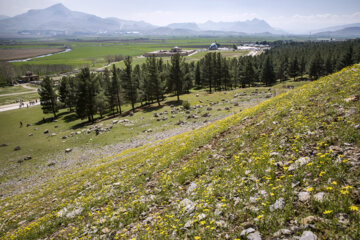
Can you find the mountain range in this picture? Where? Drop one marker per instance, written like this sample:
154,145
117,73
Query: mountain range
57,20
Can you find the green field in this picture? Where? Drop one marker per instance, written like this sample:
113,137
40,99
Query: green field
92,52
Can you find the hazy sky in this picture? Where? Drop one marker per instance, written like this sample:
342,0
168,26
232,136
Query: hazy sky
293,16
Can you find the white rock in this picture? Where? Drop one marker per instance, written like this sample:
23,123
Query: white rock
308,235
319,196
279,204
201,216
191,188
74,213
254,236
298,163
188,205
247,231
304,196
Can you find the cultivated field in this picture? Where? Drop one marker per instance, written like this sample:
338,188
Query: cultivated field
15,54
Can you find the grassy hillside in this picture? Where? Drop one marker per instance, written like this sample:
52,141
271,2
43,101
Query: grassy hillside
291,163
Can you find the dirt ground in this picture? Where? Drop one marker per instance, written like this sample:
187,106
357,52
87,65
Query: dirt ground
15,54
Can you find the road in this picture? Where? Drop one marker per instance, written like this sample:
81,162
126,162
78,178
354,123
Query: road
13,106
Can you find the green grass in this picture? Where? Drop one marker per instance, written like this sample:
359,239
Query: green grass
13,89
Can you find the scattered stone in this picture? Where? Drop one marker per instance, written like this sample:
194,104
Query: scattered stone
236,104
209,108
343,218
64,137
308,220
53,134
149,130
3,145
22,222
188,205
20,161
74,213
46,131
206,114
304,196
351,99
227,109
68,150
298,163
247,231
187,112
115,121
17,148
197,95
278,205
27,158
191,188
105,230
28,125
30,134
319,196
51,164
131,114
308,235
78,132
282,232
254,236
56,126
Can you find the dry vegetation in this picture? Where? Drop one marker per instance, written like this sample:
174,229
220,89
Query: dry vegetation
14,54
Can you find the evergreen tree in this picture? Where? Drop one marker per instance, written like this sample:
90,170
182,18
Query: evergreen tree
155,84
267,73
176,78
129,85
249,74
86,105
48,97
346,59
116,89
198,81
302,66
64,91
294,68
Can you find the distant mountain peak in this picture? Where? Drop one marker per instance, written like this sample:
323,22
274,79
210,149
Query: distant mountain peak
58,6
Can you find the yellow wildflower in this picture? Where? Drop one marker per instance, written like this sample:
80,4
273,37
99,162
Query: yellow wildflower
354,208
196,237
327,212
334,183
259,217
310,189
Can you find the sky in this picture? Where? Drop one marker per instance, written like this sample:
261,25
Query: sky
300,16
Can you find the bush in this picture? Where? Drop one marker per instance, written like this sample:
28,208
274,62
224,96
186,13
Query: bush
186,105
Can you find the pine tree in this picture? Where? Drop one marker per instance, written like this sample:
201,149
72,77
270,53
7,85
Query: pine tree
294,68
129,85
198,81
267,73
155,85
48,97
176,78
86,103
64,92
116,89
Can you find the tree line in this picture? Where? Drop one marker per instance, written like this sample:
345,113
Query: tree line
89,93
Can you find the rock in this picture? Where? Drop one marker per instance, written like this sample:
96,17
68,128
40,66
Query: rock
22,222
53,134
105,230
27,158
254,236
282,232
343,218
319,196
188,224
278,205
28,125
3,145
51,164
30,134
197,95
149,130
115,121
74,213
308,220
247,231
236,104
308,235
187,112
221,223
304,196
227,108
64,137
201,216
209,108
68,150
298,163
56,126
206,114
78,132
191,188
164,118
17,148
223,100
20,161
46,131
131,114
188,205
156,115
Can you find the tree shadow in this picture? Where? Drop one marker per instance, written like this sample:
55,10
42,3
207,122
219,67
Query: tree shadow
152,108
70,118
174,102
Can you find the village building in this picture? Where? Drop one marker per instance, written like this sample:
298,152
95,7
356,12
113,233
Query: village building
29,77
214,46
166,53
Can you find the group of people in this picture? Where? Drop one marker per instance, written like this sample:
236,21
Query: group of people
22,104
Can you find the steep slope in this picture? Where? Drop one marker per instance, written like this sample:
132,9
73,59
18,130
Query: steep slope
352,32
290,163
